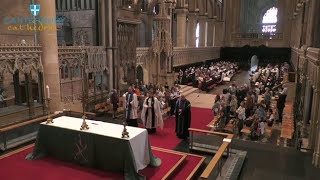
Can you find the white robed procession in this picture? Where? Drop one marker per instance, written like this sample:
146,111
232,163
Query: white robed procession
151,115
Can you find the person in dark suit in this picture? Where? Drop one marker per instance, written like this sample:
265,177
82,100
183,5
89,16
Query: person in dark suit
280,105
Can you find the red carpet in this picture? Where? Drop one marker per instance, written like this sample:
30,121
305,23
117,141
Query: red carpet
167,138
15,167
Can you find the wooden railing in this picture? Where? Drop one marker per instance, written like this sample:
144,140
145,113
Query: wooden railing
216,160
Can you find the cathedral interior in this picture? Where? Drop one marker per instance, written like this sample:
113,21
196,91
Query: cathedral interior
66,58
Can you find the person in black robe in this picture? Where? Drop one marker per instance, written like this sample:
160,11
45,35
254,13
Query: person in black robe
183,117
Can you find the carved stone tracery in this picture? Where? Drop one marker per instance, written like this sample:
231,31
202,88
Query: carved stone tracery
25,59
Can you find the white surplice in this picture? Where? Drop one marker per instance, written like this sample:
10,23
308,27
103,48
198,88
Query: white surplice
134,105
146,114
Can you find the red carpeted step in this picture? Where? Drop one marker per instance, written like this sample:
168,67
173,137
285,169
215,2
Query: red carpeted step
51,169
189,168
170,162
166,138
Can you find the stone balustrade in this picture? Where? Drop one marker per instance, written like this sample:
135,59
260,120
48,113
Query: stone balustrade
265,36
185,56
182,56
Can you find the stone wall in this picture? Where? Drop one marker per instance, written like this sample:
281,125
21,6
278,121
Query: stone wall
14,8
82,23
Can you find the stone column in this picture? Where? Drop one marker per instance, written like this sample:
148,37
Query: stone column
306,106
181,27
192,26
314,119
49,57
210,32
108,17
218,34
316,152
203,31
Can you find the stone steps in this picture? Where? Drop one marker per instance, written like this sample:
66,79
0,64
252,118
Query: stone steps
190,91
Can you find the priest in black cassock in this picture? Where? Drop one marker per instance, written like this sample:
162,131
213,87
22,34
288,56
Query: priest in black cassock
183,117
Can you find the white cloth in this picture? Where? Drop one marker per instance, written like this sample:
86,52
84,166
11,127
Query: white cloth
134,104
147,121
138,136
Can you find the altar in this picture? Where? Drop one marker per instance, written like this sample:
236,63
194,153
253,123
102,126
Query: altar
100,147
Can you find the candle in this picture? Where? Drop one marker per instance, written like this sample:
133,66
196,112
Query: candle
48,92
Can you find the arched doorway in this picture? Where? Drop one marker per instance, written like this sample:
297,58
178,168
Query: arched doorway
139,73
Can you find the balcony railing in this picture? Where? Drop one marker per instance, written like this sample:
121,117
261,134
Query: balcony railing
264,36
182,56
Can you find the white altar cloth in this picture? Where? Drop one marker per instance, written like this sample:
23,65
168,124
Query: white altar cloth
138,137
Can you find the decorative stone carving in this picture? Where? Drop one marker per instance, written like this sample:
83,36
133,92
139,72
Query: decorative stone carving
24,59
81,38
92,58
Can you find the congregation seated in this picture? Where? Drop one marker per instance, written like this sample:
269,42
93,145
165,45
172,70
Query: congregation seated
255,117
206,77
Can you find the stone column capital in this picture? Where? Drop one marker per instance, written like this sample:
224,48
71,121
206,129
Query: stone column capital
203,17
193,15
181,12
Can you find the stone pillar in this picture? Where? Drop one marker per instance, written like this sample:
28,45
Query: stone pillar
49,57
102,21
316,152
181,27
210,32
203,31
218,34
306,106
314,119
108,17
192,26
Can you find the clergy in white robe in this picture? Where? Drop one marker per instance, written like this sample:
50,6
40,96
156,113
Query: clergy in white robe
131,108
151,113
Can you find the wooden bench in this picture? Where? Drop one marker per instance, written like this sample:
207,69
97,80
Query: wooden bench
103,107
5,130
246,130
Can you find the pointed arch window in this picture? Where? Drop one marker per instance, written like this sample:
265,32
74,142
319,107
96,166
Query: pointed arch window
269,20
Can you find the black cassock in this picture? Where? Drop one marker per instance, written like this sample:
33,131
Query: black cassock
183,119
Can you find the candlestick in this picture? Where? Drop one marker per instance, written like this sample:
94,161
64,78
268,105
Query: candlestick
49,118
48,92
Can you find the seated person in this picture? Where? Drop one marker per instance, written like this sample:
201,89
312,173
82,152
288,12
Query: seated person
260,112
270,119
250,119
262,128
254,130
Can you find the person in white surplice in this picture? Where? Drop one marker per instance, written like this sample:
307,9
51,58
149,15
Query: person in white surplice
131,107
151,113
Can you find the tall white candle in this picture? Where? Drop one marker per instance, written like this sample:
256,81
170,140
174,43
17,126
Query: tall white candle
48,92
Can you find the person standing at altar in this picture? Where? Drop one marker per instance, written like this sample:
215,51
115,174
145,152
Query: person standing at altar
151,113
115,103
131,108
183,117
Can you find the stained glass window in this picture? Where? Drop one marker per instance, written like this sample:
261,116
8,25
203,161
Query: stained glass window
270,20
